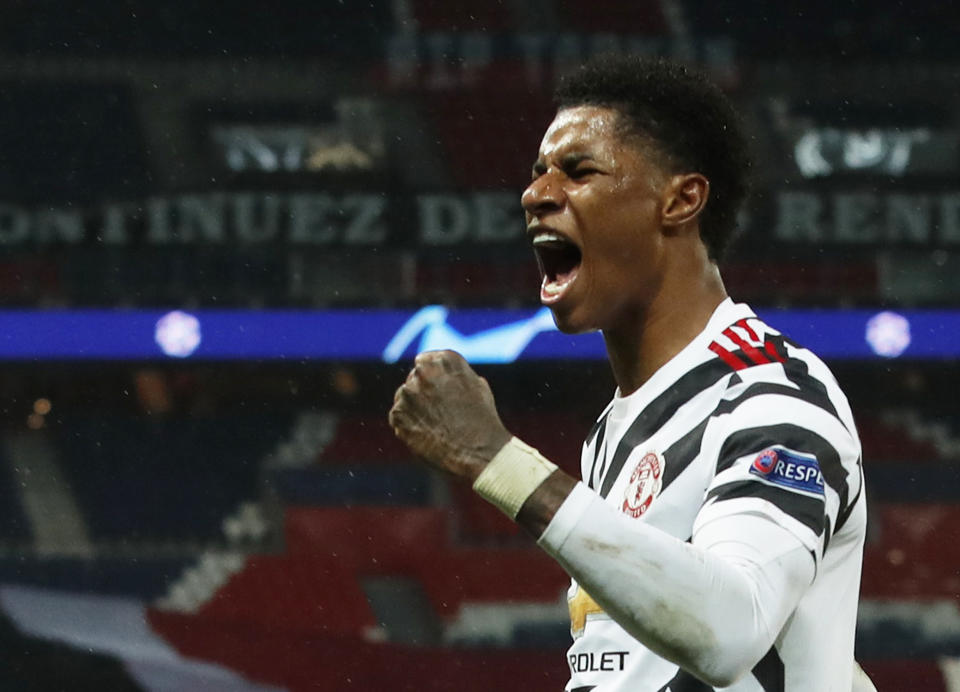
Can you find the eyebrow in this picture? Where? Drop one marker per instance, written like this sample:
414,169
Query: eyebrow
567,161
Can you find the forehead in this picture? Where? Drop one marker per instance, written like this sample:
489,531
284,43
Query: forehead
580,127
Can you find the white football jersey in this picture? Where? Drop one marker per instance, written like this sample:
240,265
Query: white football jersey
741,422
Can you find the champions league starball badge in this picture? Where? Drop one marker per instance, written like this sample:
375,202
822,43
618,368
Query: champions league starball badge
644,485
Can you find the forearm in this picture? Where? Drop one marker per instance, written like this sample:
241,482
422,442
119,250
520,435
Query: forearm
542,505
713,612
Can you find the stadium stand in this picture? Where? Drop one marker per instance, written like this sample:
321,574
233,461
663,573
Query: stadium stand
161,480
13,520
147,577
348,563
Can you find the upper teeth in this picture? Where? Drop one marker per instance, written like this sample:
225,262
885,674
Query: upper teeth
548,237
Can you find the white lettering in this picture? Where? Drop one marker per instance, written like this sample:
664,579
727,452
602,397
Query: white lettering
854,216
908,217
158,221
309,219
497,216
950,218
59,225
257,217
114,230
364,226
444,219
200,218
798,217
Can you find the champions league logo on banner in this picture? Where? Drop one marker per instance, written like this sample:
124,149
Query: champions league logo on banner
501,344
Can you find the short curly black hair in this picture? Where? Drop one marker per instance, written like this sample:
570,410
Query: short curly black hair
685,116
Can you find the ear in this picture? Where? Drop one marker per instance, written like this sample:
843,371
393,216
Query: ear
684,198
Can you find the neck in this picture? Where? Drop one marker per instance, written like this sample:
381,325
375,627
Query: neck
641,345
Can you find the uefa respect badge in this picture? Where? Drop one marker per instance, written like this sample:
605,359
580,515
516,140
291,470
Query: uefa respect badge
788,468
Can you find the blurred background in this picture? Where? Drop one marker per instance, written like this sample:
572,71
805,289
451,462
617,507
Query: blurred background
222,229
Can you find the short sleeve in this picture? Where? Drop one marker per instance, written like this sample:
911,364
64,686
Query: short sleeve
782,456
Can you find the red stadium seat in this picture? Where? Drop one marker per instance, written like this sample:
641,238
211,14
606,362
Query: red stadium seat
907,554
883,441
364,439
416,542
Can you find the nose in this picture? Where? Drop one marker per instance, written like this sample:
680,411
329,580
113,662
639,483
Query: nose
543,195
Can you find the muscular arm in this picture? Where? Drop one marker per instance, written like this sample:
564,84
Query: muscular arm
713,606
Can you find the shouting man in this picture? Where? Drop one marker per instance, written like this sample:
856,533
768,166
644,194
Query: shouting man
715,538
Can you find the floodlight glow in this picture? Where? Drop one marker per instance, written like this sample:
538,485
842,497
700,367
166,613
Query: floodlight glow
178,334
888,334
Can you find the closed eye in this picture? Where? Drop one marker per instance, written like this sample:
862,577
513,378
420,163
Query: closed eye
581,172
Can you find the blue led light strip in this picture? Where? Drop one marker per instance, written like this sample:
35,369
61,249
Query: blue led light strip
483,336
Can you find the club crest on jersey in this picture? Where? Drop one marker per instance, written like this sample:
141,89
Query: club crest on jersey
788,468
644,485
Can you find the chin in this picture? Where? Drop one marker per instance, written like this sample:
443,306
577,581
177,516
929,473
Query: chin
570,324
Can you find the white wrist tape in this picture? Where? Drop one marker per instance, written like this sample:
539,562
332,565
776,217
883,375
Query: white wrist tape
512,476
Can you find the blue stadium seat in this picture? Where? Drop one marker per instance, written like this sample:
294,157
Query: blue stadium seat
168,479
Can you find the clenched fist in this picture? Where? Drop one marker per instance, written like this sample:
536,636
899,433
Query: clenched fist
445,413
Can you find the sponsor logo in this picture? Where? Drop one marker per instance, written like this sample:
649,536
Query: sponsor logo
644,485
581,607
790,469
597,661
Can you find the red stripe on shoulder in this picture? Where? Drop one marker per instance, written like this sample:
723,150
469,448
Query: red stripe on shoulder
748,329
749,350
730,359
771,350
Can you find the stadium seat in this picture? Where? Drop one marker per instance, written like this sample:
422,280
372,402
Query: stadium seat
907,555
163,479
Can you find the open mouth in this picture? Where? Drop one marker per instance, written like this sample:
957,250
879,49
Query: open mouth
559,260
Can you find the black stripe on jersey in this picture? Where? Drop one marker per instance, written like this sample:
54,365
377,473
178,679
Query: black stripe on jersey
795,437
848,510
583,689
810,511
599,430
798,372
769,672
685,682
678,456
683,451
598,426
660,410
760,388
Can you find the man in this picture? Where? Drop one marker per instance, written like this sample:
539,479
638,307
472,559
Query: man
715,539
